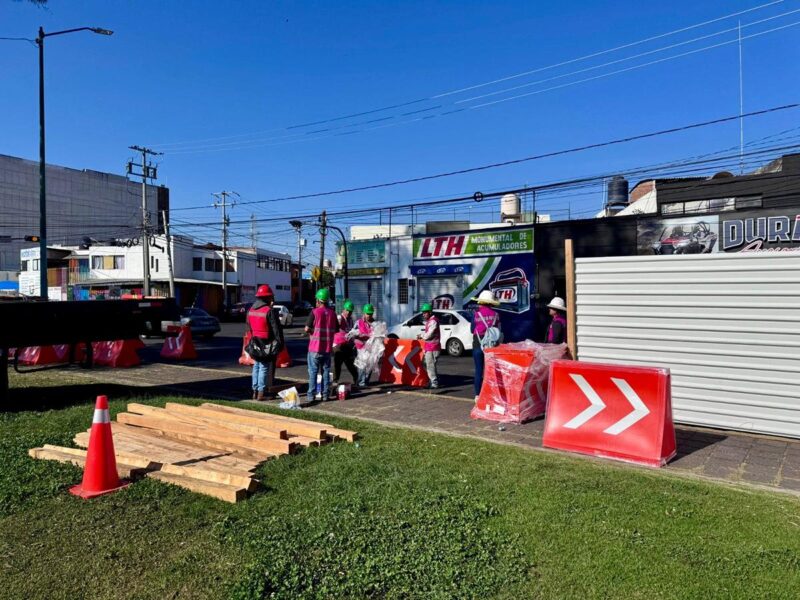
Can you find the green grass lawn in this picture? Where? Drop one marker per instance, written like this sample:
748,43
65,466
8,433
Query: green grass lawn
401,514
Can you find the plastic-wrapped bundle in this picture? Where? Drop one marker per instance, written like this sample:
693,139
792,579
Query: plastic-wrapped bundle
515,376
369,357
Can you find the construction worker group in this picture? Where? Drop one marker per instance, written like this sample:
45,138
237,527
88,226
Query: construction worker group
338,338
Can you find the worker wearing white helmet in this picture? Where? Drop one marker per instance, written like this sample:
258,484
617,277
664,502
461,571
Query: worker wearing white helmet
557,331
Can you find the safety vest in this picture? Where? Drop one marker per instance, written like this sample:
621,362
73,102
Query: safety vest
258,321
364,330
433,343
324,328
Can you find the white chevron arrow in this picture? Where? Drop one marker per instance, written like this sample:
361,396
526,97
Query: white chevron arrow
596,403
639,412
397,366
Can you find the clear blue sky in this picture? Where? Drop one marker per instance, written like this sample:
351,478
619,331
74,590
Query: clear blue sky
183,71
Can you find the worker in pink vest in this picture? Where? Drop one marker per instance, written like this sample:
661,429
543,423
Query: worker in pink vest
432,345
360,335
321,326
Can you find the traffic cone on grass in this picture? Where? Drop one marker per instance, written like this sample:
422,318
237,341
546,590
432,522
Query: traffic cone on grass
100,471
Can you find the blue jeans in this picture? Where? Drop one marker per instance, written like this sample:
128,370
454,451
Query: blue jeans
477,357
261,374
319,362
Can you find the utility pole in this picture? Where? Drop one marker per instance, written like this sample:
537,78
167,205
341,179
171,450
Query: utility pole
148,172
222,202
298,225
323,231
253,232
169,255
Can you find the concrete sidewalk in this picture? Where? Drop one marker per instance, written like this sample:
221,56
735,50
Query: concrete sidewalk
762,461
724,455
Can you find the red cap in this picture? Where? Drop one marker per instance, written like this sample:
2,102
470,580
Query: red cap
264,291
101,403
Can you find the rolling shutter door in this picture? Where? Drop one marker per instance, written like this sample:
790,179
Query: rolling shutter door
432,287
726,325
367,291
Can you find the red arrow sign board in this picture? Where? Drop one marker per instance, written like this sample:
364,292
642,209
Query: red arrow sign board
612,411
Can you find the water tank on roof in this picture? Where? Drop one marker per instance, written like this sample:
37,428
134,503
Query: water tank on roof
510,208
617,193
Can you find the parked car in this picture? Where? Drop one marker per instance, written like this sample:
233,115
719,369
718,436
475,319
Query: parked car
695,238
284,315
239,311
200,322
302,309
454,325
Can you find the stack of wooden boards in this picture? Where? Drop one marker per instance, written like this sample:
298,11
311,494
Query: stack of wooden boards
210,449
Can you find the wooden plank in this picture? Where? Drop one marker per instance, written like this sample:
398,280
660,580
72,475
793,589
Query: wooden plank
206,474
343,434
73,456
222,491
307,441
238,423
132,459
204,435
572,329
294,426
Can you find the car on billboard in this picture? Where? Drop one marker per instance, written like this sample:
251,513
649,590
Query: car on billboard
686,238
455,330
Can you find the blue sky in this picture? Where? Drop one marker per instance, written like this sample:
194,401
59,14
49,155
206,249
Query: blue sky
181,72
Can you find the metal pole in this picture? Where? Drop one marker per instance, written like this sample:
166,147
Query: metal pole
169,255
42,192
741,105
145,233
300,261
322,232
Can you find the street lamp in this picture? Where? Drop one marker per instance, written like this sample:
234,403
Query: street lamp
42,194
344,245
298,225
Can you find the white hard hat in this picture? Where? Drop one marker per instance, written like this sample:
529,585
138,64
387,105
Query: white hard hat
558,304
486,297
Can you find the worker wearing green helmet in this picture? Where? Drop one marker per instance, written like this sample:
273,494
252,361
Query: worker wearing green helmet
321,326
363,333
344,351
431,343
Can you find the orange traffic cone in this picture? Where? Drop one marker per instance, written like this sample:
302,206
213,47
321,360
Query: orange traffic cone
100,471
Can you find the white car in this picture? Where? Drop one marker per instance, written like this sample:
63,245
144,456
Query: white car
284,314
454,325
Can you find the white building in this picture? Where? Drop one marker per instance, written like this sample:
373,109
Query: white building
80,203
114,271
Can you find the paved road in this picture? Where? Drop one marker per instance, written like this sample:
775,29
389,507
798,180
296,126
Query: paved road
223,351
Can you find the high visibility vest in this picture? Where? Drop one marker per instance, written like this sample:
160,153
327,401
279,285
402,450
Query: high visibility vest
433,343
258,321
324,327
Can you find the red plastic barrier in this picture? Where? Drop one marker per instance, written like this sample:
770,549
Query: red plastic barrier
402,363
284,360
44,355
119,353
179,347
514,386
245,359
612,411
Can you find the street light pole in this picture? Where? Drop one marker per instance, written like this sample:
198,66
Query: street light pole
344,244
298,225
42,187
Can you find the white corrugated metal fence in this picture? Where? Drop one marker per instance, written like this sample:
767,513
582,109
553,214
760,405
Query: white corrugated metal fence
727,326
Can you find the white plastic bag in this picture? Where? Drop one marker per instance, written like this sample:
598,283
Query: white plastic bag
369,357
291,399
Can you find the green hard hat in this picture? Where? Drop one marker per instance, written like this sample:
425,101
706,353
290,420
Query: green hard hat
348,305
323,295
369,309
426,307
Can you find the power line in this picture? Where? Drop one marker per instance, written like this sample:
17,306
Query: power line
404,104
521,160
